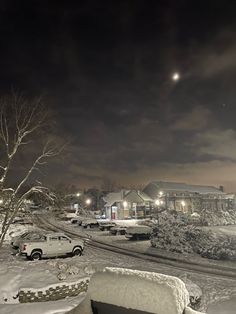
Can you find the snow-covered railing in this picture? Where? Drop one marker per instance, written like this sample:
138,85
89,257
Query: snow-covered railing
123,289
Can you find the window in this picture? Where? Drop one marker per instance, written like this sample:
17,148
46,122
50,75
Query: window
54,238
62,238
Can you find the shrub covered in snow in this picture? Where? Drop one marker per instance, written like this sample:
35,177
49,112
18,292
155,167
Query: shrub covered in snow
61,276
173,233
219,217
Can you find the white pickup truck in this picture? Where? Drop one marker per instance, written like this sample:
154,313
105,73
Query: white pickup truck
51,245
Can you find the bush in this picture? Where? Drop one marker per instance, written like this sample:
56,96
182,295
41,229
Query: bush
173,233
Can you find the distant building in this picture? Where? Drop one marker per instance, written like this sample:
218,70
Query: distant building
189,198
127,204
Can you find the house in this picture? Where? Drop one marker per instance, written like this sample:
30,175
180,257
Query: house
188,198
127,204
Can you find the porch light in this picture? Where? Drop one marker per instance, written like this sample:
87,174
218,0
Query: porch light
125,204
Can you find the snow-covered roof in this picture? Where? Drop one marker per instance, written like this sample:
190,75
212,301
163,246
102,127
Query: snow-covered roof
113,197
145,197
183,187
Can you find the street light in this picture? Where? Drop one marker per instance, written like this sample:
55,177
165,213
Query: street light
88,201
183,203
1,201
160,193
157,202
78,194
125,204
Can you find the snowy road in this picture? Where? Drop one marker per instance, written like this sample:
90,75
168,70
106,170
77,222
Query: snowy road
225,307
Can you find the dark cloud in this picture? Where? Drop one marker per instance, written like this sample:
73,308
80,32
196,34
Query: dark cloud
106,68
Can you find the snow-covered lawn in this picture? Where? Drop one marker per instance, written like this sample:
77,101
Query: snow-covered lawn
229,230
16,272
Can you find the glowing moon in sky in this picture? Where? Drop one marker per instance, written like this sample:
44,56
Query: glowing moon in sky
175,76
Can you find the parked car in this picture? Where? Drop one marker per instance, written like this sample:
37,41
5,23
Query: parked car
51,245
90,223
138,232
30,235
106,226
75,221
118,230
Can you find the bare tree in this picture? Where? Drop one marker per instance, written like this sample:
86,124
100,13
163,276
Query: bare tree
21,123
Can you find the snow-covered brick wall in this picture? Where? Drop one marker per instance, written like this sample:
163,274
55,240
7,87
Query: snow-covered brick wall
139,290
54,292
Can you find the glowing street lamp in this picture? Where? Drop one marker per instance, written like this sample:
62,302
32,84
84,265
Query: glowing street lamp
78,194
125,204
157,202
161,193
183,203
1,201
88,201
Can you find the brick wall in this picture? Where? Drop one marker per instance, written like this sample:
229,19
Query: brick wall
54,292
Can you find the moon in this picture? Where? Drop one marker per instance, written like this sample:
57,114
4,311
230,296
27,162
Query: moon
175,76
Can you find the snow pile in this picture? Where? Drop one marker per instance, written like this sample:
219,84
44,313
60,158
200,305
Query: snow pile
139,290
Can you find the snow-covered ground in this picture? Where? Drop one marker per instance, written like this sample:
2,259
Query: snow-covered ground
16,272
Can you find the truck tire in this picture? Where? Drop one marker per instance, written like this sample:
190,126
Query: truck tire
36,255
77,251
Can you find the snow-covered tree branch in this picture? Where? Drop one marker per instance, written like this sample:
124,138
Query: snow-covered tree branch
21,122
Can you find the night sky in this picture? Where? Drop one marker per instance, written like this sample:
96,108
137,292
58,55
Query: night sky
106,66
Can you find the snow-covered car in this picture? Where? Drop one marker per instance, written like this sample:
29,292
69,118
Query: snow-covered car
90,223
51,245
118,230
75,221
138,232
106,226
29,235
